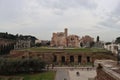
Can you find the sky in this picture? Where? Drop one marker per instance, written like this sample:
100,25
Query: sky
41,18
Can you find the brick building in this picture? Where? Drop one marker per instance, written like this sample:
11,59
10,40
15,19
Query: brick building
59,39
62,39
86,41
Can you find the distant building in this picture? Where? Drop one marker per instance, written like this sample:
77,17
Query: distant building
21,44
73,41
112,47
99,44
61,39
45,43
37,41
86,41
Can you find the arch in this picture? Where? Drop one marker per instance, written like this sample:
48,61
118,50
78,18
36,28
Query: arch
79,59
71,58
63,59
88,59
55,58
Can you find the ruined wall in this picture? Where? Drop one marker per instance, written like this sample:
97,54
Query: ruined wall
73,41
102,75
49,57
59,39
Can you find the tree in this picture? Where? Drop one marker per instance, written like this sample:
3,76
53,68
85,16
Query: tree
97,38
107,43
92,44
117,40
26,65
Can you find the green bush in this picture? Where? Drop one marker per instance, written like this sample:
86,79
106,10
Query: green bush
27,65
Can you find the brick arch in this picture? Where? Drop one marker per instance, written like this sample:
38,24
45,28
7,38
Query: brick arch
72,58
54,58
79,58
88,59
63,59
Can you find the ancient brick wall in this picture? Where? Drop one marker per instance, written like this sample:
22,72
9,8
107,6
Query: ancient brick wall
102,75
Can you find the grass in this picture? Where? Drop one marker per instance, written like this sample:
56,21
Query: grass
40,76
41,49
35,76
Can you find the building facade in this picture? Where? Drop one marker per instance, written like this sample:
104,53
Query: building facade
59,39
73,41
21,44
62,39
57,57
112,47
86,41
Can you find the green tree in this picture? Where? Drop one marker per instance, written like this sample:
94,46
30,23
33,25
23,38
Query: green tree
98,39
117,40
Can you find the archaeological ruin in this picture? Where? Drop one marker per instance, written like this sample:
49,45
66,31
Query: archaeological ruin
62,39
61,56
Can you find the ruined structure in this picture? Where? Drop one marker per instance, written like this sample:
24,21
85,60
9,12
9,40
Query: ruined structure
60,56
61,39
57,57
107,70
73,41
86,41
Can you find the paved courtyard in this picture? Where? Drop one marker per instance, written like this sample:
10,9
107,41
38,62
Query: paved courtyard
70,74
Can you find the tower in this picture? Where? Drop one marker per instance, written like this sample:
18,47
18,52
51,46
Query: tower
66,32
66,35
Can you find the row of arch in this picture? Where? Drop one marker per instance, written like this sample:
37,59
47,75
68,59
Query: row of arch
71,59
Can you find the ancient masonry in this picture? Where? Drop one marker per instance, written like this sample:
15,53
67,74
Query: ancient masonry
57,57
61,39
107,70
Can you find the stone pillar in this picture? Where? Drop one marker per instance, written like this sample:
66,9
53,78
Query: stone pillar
67,59
76,59
58,58
84,59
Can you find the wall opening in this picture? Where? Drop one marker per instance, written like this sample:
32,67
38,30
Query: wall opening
79,59
88,59
71,58
63,59
55,59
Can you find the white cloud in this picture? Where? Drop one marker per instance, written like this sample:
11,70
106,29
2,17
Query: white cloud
42,17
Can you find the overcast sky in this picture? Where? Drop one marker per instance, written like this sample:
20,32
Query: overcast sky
41,18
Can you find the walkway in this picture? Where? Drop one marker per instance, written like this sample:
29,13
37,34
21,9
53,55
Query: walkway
62,74
83,74
70,74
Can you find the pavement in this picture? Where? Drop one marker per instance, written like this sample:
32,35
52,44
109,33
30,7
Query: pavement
62,74
70,74
83,74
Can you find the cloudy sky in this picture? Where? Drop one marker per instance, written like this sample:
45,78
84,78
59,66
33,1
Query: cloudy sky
41,18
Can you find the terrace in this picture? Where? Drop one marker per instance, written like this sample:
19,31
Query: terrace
45,49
